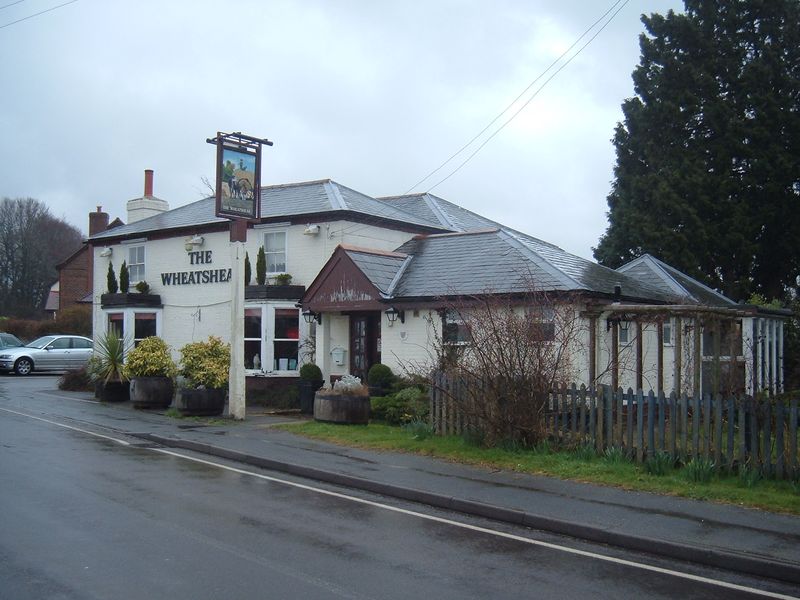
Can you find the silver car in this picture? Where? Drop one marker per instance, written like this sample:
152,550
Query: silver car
48,353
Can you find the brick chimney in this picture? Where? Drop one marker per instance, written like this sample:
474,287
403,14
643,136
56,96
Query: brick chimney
148,205
98,221
148,183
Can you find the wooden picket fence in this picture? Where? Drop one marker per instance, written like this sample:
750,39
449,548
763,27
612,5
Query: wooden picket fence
759,433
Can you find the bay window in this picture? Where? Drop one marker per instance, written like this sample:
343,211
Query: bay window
272,337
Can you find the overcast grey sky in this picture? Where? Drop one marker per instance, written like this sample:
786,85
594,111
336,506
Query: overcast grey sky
373,94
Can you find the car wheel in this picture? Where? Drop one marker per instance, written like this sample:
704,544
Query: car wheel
23,366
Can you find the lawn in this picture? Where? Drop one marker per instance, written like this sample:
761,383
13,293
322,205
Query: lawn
778,496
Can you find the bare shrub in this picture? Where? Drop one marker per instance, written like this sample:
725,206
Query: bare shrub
508,353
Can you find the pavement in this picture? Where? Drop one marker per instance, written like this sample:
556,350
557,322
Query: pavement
725,536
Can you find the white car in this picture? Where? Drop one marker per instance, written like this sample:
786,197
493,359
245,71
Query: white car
48,353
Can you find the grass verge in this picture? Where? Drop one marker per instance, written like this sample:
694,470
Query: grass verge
777,496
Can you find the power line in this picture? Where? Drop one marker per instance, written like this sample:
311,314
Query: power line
11,4
35,14
530,85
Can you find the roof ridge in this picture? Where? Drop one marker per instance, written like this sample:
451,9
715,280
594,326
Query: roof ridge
440,214
668,268
538,259
362,250
671,281
398,276
335,195
296,184
426,236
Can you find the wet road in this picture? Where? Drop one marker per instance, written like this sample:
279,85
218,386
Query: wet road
88,517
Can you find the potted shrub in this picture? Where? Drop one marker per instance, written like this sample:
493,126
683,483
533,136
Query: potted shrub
151,370
310,382
346,402
380,379
108,367
204,367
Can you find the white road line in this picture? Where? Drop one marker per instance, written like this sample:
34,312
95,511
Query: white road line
509,536
65,426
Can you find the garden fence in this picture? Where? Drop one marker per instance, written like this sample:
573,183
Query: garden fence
760,433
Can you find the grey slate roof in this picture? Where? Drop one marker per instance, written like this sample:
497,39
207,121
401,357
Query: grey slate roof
380,268
288,200
658,274
432,208
500,261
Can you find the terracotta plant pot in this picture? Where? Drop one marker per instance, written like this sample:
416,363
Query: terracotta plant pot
151,392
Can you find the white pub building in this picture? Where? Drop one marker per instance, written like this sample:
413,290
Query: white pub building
372,276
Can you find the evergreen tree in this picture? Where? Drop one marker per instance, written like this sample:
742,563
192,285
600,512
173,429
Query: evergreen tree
124,278
111,280
248,271
261,267
707,176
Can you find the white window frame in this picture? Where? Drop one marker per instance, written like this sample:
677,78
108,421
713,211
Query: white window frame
129,319
451,316
132,249
542,315
668,326
626,327
285,250
129,322
267,353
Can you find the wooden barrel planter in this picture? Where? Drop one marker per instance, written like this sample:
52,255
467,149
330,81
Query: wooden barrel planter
207,402
115,391
151,392
341,408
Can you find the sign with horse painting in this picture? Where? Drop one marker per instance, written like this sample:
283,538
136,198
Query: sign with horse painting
238,180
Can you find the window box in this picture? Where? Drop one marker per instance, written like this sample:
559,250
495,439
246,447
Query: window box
274,292
130,299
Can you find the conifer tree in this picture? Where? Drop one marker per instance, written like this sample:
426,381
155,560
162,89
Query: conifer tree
707,176
261,267
111,280
124,278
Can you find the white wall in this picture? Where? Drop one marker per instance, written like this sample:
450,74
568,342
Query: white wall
192,312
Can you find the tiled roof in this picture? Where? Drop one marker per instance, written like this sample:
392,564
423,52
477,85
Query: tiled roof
380,268
658,274
500,261
288,200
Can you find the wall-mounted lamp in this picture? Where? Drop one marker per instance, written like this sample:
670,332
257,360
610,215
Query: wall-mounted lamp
106,252
194,241
311,229
309,316
392,314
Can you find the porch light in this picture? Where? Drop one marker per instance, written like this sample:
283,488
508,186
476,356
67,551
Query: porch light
309,316
105,252
392,314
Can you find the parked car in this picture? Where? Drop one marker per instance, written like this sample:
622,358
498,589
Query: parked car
48,353
8,340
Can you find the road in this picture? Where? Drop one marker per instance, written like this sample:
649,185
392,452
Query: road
83,516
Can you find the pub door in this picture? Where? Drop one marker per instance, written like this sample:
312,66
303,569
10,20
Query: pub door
365,344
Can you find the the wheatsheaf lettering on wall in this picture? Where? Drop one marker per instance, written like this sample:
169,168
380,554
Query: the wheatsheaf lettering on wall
198,257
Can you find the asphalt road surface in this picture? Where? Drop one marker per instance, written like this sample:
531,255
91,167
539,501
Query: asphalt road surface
83,516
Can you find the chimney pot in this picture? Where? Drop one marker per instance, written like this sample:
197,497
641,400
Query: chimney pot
148,182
